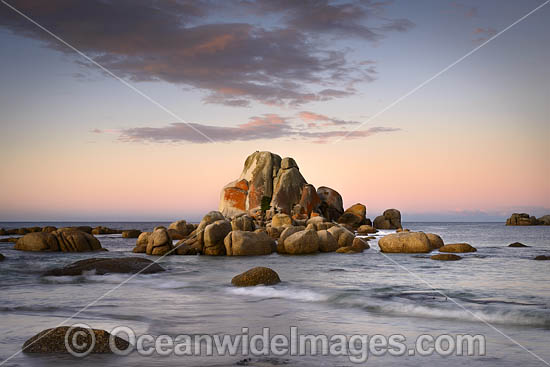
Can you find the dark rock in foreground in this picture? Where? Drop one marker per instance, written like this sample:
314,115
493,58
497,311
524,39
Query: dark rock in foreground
53,340
2,257
256,276
542,257
446,257
129,265
517,244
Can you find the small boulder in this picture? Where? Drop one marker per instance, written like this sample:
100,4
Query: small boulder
256,276
243,223
348,250
542,257
126,265
457,247
435,241
303,242
366,229
244,243
287,232
445,257
517,244
360,244
343,236
131,233
406,242
280,220
53,340
214,235
159,242
72,240
141,242
390,219
354,216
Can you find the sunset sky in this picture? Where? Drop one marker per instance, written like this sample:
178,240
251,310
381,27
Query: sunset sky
217,80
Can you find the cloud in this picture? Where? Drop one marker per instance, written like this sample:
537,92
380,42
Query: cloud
314,119
484,34
268,126
464,10
215,46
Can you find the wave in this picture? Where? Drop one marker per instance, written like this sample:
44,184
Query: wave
445,309
146,280
273,292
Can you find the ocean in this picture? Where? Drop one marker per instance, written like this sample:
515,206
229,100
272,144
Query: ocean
498,292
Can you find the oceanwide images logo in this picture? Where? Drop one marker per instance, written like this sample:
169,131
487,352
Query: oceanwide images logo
80,341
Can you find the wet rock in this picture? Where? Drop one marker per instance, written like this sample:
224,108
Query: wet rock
2,257
131,233
542,257
53,340
457,247
366,229
159,242
406,242
10,239
101,266
141,242
445,257
435,241
517,244
256,276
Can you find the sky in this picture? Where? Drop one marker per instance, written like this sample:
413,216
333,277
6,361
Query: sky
188,89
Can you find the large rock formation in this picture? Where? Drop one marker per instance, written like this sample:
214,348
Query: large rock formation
265,176
390,219
64,239
524,219
287,186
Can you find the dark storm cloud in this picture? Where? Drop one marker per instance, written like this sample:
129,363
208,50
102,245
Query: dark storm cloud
234,61
269,126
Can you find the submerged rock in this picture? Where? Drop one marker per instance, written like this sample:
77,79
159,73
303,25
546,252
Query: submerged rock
542,257
256,276
53,340
101,266
2,257
131,233
446,257
457,247
517,244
